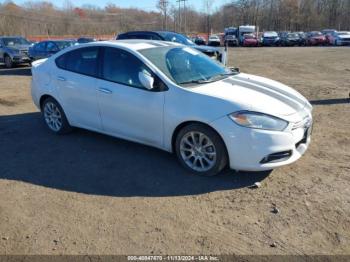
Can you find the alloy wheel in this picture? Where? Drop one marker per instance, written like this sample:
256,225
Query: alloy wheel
198,151
53,116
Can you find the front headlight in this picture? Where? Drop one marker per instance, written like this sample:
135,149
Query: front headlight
258,121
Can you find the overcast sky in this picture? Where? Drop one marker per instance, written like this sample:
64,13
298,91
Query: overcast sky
141,4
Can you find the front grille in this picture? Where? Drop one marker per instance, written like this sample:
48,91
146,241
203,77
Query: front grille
23,52
305,123
303,141
276,157
210,54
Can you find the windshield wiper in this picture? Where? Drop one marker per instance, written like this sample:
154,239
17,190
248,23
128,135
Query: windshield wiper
209,80
200,81
219,76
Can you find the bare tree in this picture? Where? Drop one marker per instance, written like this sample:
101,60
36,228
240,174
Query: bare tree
162,5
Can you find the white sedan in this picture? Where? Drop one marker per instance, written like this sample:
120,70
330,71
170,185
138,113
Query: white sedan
174,98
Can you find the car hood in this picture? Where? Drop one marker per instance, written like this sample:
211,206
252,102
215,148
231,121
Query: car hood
344,36
254,93
206,48
321,37
19,47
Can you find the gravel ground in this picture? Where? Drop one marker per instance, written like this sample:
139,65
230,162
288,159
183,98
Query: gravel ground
87,193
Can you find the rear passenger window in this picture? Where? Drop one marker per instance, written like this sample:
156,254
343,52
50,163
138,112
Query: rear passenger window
61,61
83,61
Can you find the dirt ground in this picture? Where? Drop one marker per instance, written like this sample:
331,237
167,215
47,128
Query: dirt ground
87,193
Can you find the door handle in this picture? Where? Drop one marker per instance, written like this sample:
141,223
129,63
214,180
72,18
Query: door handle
61,78
105,90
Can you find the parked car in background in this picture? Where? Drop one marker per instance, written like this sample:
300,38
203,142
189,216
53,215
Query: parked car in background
14,50
230,37
330,37
315,38
283,34
214,40
245,29
328,33
339,38
198,40
212,52
84,40
291,39
250,40
48,48
173,97
303,37
270,38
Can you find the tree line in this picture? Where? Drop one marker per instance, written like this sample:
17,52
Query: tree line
43,18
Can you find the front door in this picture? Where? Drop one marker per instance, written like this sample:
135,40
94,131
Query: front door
128,110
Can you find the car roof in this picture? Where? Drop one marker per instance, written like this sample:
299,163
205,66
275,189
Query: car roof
134,44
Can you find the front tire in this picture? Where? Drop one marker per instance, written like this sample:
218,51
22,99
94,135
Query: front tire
8,61
201,150
54,117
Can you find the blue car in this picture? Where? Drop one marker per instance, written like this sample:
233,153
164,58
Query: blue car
270,39
47,48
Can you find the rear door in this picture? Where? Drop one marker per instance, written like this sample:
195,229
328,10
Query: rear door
76,81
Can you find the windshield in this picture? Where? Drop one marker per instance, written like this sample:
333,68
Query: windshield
316,33
293,36
12,41
178,38
270,34
185,65
249,37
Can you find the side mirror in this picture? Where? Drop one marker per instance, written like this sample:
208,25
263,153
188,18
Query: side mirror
146,79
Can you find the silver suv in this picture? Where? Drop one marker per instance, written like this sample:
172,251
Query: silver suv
14,50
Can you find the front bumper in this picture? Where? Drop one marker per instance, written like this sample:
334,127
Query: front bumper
343,42
231,41
248,148
21,59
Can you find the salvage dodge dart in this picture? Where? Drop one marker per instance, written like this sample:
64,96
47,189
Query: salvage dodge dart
175,98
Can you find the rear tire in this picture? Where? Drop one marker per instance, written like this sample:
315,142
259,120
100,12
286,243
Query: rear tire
201,150
54,117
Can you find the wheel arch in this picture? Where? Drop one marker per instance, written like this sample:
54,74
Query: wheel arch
43,98
186,123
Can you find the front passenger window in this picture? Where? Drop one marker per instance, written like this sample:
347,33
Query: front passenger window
122,67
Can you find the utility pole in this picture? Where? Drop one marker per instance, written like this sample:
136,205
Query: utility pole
180,14
185,19
163,7
165,13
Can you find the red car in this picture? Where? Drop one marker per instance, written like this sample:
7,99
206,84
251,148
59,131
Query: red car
329,34
250,40
316,38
